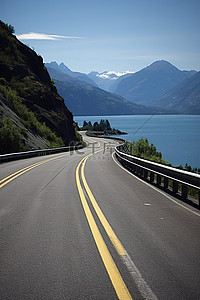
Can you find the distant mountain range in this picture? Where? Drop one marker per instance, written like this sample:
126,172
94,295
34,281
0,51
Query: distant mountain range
152,82
64,69
147,88
184,98
86,99
108,80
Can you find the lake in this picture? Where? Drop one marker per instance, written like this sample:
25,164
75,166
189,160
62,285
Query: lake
177,137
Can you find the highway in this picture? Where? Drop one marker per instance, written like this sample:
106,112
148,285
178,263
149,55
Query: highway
79,226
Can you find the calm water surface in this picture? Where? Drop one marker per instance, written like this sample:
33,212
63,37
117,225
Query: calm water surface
176,137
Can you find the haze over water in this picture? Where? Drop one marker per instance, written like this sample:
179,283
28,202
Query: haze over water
177,137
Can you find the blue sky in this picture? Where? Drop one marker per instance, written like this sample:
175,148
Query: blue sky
104,35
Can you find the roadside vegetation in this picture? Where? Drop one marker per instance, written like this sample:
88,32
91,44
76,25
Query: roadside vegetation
11,137
27,118
79,138
143,149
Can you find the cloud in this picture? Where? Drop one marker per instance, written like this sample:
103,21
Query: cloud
44,36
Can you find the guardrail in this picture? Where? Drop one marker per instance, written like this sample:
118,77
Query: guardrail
27,154
181,180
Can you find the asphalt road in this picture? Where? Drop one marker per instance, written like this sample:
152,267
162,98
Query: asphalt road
81,227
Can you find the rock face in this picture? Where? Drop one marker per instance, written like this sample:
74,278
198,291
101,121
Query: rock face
23,72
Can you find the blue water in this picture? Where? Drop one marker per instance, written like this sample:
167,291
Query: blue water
177,137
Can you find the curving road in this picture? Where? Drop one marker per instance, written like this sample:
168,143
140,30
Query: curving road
78,226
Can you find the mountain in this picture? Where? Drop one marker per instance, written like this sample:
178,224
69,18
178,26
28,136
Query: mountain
85,99
148,84
64,69
30,104
108,79
184,98
60,76
95,102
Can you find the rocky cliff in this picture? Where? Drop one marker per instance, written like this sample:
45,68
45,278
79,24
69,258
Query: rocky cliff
29,91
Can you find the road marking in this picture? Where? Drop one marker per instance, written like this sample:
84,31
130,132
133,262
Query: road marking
18,173
113,272
116,242
154,188
141,284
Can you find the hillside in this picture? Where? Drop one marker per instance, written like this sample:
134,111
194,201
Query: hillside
150,83
184,98
85,99
29,100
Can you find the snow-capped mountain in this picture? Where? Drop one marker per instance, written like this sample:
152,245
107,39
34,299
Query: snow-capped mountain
107,79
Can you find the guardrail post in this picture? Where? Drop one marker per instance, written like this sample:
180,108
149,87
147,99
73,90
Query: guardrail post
184,191
151,177
145,174
166,183
175,187
158,179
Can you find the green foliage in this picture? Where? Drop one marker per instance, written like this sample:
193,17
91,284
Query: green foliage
103,127
11,29
2,81
79,139
29,119
8,27
9,53
87,126
143,149
25,84
10,138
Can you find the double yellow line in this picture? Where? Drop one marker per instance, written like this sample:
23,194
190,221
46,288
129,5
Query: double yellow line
18,173
113,272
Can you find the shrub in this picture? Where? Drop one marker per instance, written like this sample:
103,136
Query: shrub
10,138
143,149
29,119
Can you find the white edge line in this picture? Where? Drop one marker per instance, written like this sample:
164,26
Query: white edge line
194,212
141,284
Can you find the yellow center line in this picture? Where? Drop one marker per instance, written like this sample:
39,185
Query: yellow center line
113,272
114,239
18,173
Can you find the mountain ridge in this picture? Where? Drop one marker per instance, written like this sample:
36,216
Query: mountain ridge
151,82
64,69
184,98
86,99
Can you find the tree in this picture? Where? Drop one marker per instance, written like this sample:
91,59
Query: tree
108,125
85,124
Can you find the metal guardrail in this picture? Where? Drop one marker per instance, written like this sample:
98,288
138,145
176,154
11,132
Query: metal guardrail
27,154
148,169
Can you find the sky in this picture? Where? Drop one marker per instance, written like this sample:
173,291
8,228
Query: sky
105,35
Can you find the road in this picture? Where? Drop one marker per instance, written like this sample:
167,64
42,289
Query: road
78,226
